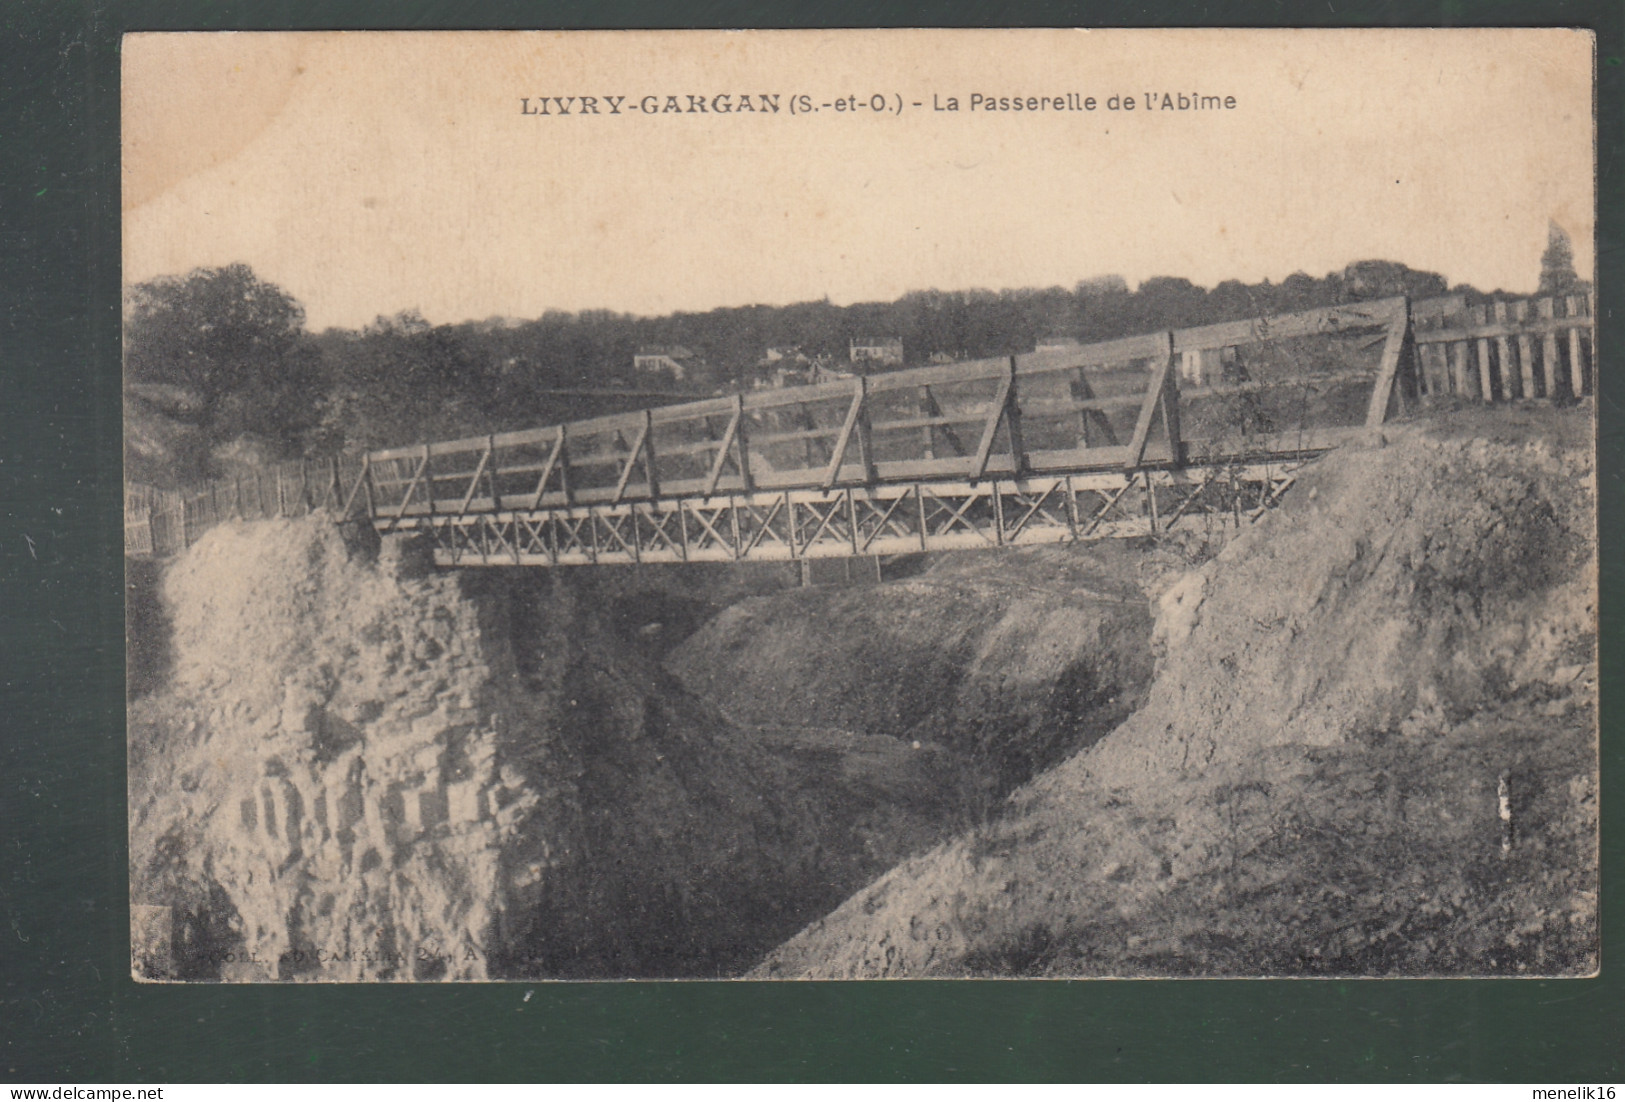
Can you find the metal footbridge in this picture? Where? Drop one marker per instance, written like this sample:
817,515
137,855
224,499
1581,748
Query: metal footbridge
1193,427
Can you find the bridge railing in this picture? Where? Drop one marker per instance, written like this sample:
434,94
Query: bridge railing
1098,407
1239,391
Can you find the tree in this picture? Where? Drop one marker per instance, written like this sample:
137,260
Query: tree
1557,274
233,345
1373,279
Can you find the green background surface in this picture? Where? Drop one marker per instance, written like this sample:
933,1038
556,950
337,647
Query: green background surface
68,1010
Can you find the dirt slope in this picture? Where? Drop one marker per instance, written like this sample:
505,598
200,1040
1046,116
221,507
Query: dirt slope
1369,749
1015,659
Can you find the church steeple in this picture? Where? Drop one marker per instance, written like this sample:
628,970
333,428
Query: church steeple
1557,275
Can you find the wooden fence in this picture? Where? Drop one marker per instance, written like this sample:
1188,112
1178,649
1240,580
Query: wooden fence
1508,349
162,522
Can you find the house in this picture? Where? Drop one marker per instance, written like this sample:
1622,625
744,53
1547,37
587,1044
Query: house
676,359
804,372
780,378
783,352
880,350
823,370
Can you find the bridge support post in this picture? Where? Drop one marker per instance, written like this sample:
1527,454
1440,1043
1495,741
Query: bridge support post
642,447
1003,403
1396,352
1012,425
855,422
491,472
1158,397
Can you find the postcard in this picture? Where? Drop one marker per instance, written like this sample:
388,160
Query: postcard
860,504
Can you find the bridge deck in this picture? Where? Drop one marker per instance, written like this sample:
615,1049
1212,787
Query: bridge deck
888,519
1073,443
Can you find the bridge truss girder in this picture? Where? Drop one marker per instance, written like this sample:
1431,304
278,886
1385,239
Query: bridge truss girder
885,519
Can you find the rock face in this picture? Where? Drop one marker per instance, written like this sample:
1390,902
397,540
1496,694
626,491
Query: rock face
326,772
1370,748
359,768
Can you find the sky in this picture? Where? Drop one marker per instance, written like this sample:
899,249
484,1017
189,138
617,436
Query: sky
370,173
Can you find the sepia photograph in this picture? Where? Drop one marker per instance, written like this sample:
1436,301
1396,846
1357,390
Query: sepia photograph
860,504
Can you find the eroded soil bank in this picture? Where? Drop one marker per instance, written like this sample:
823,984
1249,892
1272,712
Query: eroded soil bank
1369,749
1011,659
